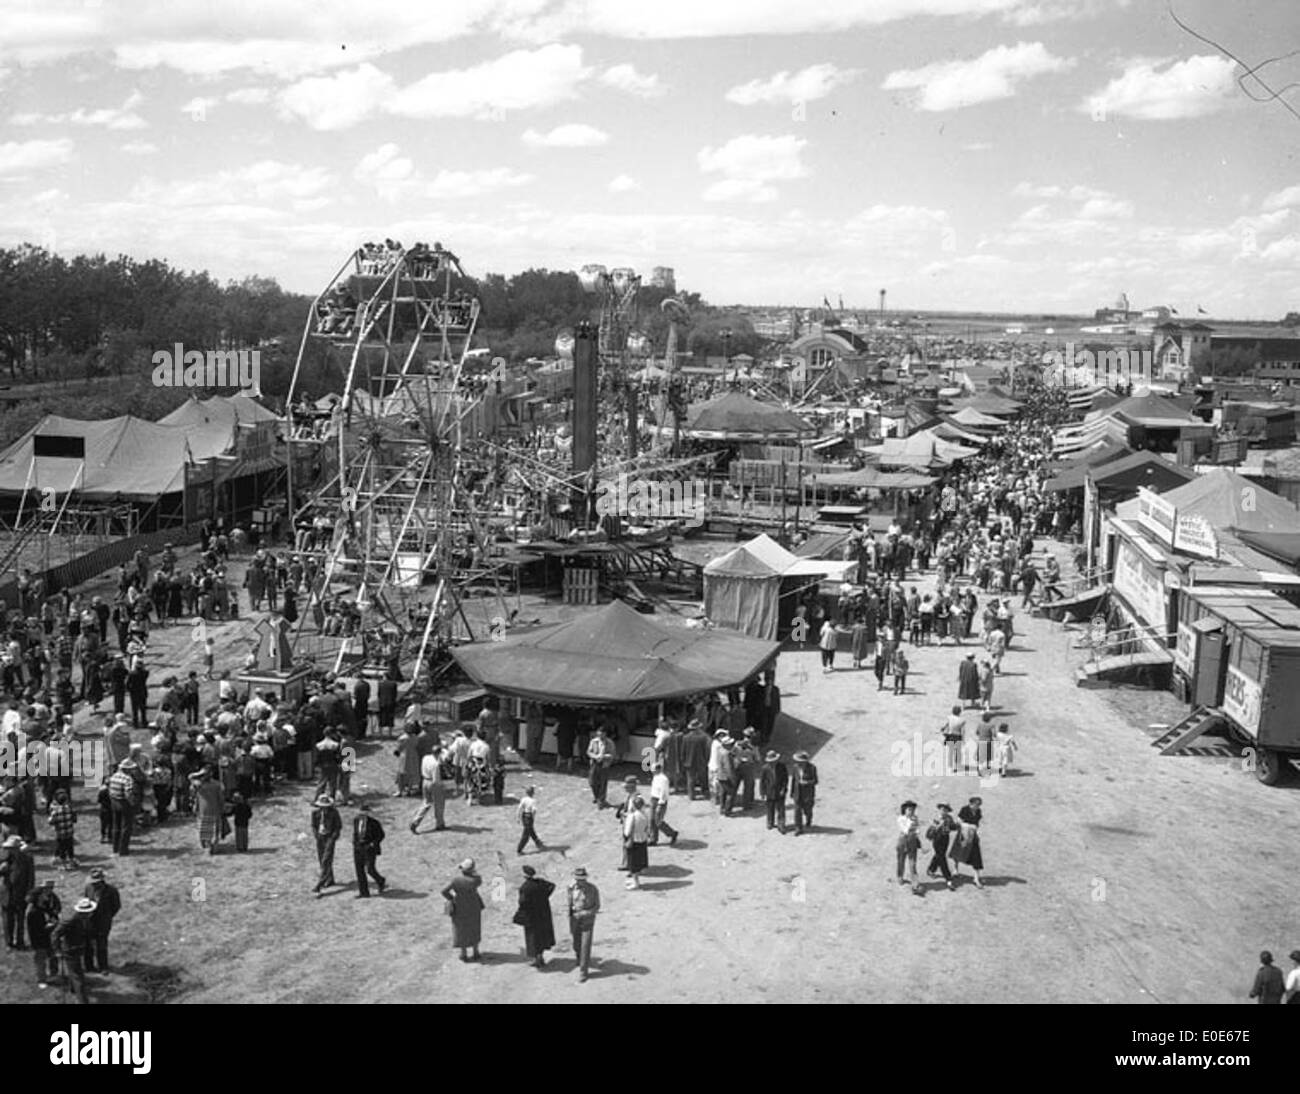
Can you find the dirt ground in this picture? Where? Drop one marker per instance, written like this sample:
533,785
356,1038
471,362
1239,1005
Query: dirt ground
1113,874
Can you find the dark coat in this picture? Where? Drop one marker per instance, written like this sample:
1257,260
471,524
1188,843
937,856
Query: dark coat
774,780
968,680
535,911
695,752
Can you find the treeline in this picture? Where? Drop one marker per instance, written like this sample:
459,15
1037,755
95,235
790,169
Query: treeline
93,315
94,318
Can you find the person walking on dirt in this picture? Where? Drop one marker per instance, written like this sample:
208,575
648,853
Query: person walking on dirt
804,779
939,834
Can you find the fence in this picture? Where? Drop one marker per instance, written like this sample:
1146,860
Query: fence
95,562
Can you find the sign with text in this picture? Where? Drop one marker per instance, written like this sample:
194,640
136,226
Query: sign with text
1138,582
1242,699
1194,535
1156,514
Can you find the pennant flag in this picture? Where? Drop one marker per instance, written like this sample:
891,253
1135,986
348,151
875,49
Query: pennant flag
1200,310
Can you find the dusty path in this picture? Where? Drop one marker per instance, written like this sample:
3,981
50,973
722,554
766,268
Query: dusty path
1113,874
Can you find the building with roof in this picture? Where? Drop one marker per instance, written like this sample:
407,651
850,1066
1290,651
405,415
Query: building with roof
1180,349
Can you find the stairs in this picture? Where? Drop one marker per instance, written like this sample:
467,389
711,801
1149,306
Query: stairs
1178,738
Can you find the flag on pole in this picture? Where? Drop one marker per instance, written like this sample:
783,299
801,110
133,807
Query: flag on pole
1173,311
1200,310
826,303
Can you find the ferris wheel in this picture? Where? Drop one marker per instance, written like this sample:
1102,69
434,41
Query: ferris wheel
396,527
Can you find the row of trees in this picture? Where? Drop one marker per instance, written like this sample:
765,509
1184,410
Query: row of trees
93,315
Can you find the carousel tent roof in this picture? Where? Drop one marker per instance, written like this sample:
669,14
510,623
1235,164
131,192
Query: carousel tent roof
736,415
123,457
1227,500
921,451
969,416
614,655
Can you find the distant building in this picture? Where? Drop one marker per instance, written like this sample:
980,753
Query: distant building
1178,349
1159,313
1279,358
777,328
663,277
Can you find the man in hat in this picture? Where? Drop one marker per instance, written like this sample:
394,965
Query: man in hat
108,902
123,797
71,939
600,753
804,779
326,825
43,907
584,904
17,876
773,784
367,840
726,776
695,758
745,761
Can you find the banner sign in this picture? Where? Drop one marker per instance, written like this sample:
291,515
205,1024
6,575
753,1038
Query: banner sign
1184,651
1194,535
1139,583
1156,514
1242,698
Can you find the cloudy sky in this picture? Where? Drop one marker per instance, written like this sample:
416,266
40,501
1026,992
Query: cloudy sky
998,154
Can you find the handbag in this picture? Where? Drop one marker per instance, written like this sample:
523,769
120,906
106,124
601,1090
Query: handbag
520,918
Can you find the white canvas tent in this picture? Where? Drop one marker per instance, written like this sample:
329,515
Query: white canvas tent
742,589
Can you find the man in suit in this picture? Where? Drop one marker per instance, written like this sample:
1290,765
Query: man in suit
695,758
773,784
17,876
1269,983
367,836
71,939
804,778
326,825
108,902
584,904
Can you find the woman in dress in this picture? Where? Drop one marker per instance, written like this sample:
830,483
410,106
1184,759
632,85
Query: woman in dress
861,649
408,760
636,838
534,915
210,801
465,907
966,849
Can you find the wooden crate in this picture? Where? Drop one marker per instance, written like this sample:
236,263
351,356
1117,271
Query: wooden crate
581,586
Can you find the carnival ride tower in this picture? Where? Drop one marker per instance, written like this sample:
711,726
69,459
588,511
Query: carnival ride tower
403,527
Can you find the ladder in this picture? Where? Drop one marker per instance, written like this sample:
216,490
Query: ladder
1179,736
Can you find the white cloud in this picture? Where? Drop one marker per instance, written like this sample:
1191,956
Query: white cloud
675,19
467,184
521,80
805,86
1186,89
1074,193
573,135
1283,199
623,184
751,157
740,190
18,158
977,146
627,78
386,170
950,85
113,117
337,102
249,96
139,148
396,178
1106,208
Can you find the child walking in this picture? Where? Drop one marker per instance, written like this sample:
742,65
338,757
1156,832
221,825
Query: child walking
63,819
1004,748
